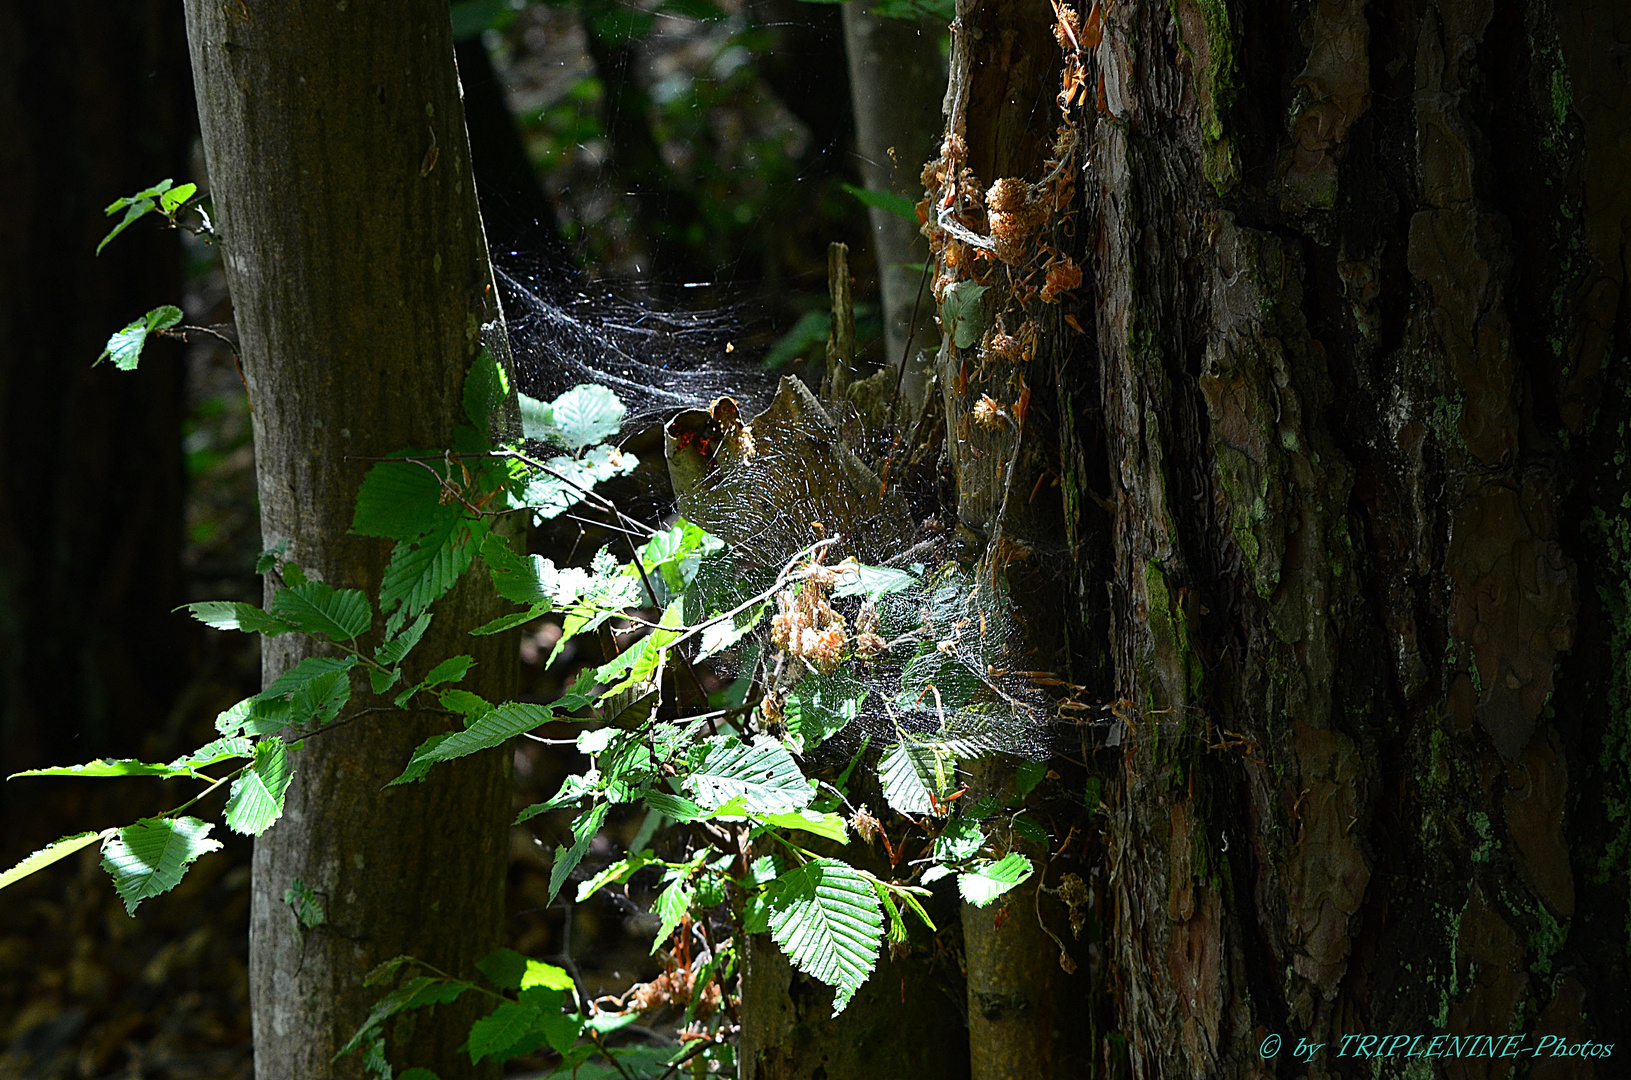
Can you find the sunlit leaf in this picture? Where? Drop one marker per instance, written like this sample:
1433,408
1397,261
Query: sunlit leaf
150,857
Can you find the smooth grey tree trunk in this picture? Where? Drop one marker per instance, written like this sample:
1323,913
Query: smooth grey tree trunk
897,81
353,247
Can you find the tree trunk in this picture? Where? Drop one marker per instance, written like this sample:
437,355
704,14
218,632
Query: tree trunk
91,480
1356,280
354,251
897,81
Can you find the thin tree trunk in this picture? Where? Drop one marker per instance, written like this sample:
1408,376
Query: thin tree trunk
354,251
91,480
897,82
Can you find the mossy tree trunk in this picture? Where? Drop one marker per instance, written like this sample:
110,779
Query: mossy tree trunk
353,247
1342,445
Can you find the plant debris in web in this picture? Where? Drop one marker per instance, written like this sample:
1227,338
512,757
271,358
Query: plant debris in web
859,621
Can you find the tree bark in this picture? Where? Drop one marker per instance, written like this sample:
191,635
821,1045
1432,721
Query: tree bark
91,478
1357,286
897,80
354,251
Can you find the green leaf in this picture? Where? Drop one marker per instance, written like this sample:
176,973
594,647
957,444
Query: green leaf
910,772
450,670
960,840
503,968
257,796
51,853
872,581
826,918
109,767
419,766
829,825
811,329
531,579
584,829
615,874
897,926
563,486
983,885
172,200
125,346
222,749
820,706
423,570
675,807
234,615
546,976
672,904
416,993
721,635
764,775
303,902
505,1032
135,207
486,386
581,417
402,500
899,205
493,728
322,610
464,702
149,857
962,312
317,689
394,650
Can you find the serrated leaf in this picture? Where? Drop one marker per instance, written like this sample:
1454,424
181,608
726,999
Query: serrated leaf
51,853
423,570
671,905
419,765
501,1035
464,702
401,500
319,609
826,918
568,478
721,635
821,706
394,650
961,839
495,727
531,579
897,926
234,615
257,796
910,772
317,688
584,829
615,874
540,975
829,825
149,857
582,416
416,993
108,767
486,385
503,968
983,885
857,579
450,670
903,789
675,807
125,346
763,774
223,749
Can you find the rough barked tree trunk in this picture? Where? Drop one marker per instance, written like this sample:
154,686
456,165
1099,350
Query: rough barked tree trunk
354,251
1358,332
91,480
